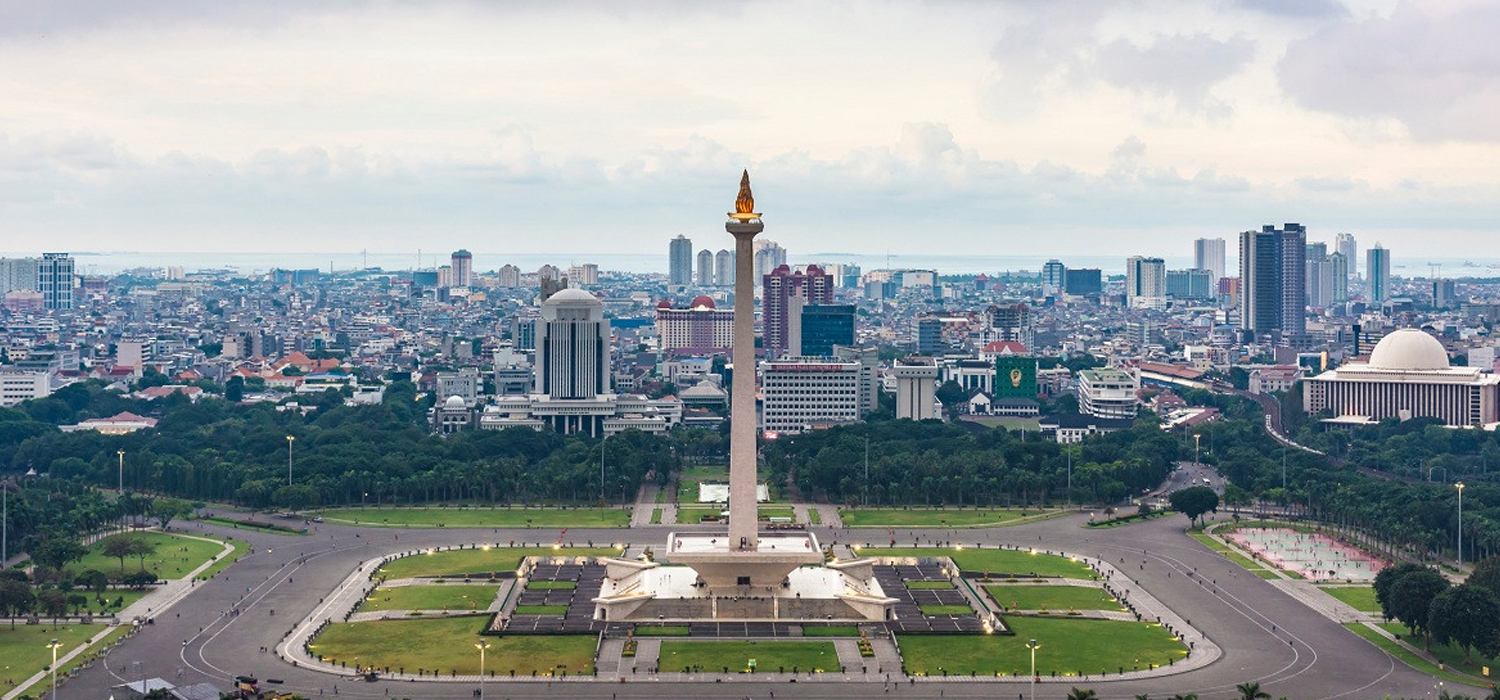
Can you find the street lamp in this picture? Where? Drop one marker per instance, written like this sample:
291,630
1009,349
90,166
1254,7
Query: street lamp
289,440
1460,525
481,645
1031,645
1197,445
54,645
602,442
121,497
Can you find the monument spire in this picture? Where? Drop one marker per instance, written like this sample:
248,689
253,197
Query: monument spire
744,223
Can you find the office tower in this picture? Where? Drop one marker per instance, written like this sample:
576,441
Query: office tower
700,328
444,276
54,279
809,392
680,271
778,290
463,268
18,275
1012,322
705,272
1146,283
1320,283
824,326
868,358
1083,282
1054,275
509,276
1190,284
929,336
1378,272
1344,243
572,347
724,268
1443,293
1273,281
768,257
548,272
916,388
1339,269
1108,393
585,275
1208,254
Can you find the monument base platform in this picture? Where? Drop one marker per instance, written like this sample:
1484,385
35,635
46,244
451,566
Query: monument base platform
723,566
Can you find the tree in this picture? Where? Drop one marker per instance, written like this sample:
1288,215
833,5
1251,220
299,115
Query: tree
1388,578
1410,598
15,599
54,603
56,552
166,509
139,579
1468,616
1194,501
119,547
141,548
1082,694
234,389
1486,574
1252,691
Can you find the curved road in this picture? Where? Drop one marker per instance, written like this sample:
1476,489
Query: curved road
1267,635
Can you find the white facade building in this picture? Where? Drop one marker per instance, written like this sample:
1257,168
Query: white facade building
1408,376
16,387
916,388
799,393
464,384
1108,393
1146,283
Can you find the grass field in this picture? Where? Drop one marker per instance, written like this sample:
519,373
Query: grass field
655,516
240,549
446,645
1024,597
936,610
769,657
174,556
663,631
929,586
1359,597
23,650
541,609
1245,562
436,597
931,517
1449,654
1068,646
693,515
814,516
481,561
550,585
481,517
62,668
110,596
831,631
1405,655
994,561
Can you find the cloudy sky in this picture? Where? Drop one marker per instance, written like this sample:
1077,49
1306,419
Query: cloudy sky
540,126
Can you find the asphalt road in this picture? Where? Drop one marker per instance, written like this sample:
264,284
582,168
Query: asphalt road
1267,636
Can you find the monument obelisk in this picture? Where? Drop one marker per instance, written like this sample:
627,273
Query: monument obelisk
744,223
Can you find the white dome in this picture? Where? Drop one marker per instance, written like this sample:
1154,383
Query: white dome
454,401
572,297
1409,349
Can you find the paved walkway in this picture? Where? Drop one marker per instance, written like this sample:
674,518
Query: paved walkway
1324,604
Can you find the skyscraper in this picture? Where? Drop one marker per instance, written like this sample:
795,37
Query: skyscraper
1146,283
509,276
1083,281
724,268
1013,322
1054,275
781,291
1344,243
1273,281
463,268
1377,272
705,277
572,347
54,279
1208,254
1340,271
768,257
1319,275
18,274
680,269
824,326
1196,284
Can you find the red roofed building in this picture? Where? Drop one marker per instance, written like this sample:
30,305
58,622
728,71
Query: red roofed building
118,424
700,328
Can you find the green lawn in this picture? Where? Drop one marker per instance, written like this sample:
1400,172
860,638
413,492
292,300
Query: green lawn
663,631
995,561
765,511
481,517
1449,654
1405,655
830,631
1024,597
436,597
541,609
174,556
447,644
655,516
110,596
240,549
935,610
814,516
692,516
931,517
929,586
481,561
1068,646
63,668
550,585
1359,597
23,650
769,657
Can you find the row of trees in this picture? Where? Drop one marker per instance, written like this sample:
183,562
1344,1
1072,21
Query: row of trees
1423,599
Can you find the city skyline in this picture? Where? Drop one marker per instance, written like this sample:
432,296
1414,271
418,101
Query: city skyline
531,128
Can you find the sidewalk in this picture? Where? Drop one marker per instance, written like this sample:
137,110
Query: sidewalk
167,594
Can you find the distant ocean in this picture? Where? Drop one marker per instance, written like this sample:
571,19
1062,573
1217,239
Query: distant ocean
249,263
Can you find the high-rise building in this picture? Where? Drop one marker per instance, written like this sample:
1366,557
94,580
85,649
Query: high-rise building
928,332
1195,284
799,393
1273,281
680,270
1444,293
1012,322
1339,266
1320,283
778,290
585,275
54,279
1377,273
463,268
1146,283
1344,243
572,347
705,272
1054,275
824,326
699,328
768,257
509,276
18,275
1208,254
724,268
1108,393
1083,282
916,388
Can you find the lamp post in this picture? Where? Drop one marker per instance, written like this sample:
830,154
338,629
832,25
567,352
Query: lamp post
1031,645
1197,448
1460,525
602,442
289,440
121,454
54,645
481,645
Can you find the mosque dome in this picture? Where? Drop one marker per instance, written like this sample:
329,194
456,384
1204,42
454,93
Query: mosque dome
1409,349
572,297
454,401
702,300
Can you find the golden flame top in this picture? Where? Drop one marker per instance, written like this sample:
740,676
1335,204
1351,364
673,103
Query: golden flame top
745,202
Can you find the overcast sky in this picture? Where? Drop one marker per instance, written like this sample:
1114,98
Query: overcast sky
980,126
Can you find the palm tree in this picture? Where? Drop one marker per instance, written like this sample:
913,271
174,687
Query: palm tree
1189,696
1082,694
1251,691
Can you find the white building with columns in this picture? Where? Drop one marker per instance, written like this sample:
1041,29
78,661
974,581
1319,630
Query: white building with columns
1408,376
